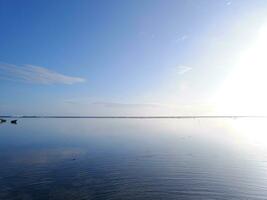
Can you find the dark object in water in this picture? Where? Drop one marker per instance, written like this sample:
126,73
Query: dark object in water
2,120
14,121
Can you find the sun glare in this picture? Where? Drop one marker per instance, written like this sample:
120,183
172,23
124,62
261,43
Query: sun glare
244,92
251,131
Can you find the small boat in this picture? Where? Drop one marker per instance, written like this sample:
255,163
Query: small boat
2,120
14,121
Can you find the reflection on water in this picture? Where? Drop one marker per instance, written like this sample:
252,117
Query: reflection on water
133,159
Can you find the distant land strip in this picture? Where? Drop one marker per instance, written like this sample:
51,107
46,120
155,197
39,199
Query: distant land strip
135,117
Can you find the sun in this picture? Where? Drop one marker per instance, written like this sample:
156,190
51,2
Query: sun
244,92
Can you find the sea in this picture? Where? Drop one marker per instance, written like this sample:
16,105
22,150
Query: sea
134,159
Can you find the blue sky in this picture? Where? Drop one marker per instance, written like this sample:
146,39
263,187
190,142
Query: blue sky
120,57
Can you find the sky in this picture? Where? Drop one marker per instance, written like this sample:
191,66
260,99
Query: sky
147,57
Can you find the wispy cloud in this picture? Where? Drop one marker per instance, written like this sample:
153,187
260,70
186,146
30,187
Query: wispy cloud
181,38
113,104
182,69
127,105
35,74
228,3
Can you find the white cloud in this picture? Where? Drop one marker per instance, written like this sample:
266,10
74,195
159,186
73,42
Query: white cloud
183,69
228,3
35,74
182,38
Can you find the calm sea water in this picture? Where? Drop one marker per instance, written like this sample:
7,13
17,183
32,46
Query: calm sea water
133,159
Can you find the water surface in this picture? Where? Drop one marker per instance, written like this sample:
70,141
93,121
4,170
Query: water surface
133,159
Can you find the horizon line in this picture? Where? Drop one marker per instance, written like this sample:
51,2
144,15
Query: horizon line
131,117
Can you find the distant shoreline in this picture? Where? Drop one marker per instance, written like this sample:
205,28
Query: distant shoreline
135,117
